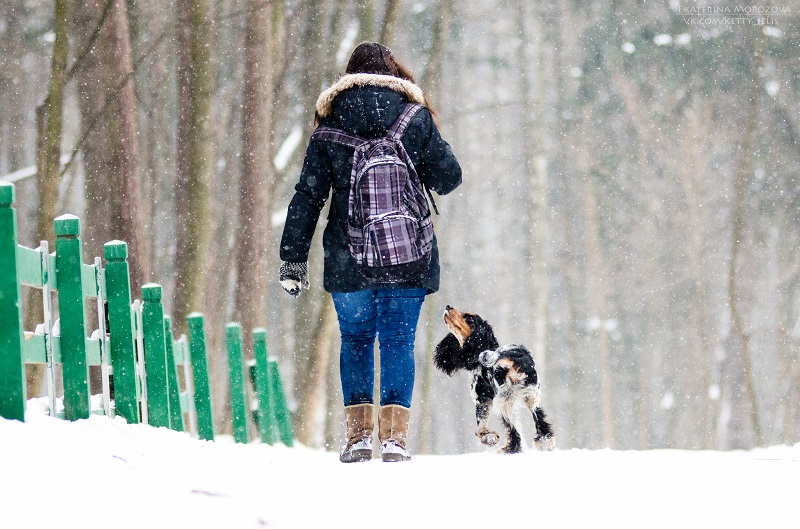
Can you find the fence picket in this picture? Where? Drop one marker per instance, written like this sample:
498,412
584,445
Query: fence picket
73,318
233,332
12,369
155,356
278,397
173,390
202,391
121,328
267,423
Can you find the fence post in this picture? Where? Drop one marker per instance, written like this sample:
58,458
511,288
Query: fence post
233,332
173,390
266,412
12,369
73,317
279,400
202,393
120,319
155,356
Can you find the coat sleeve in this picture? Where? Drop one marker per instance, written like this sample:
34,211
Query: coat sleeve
310,195
437,168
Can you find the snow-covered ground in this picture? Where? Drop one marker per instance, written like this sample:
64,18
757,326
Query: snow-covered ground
101,473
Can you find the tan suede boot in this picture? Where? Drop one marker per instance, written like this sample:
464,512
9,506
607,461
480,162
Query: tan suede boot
360,421
392,432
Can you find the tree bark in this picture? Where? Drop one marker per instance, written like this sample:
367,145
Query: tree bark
310,416
431,81
535,163
13,83
111,152
193,157
596,273
51,112
598,297
49,126
389,25
155,89
314,306
365,12
255,197
741,338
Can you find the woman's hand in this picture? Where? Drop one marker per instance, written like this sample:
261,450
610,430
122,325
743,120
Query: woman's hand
294,277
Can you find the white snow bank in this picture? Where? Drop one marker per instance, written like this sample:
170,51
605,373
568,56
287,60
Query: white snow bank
105,473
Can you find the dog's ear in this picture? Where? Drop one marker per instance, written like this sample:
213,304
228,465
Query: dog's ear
445,357
482,336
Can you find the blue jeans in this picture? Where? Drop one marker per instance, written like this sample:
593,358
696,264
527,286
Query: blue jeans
392,315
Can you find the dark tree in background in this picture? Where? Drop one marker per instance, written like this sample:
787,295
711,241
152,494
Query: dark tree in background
192,186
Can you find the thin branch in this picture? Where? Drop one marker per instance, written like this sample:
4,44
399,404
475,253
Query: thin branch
89,45
244,12
111,98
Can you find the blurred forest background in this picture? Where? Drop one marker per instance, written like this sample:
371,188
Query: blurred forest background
630,207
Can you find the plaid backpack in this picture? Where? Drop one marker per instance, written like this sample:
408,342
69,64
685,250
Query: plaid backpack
389,225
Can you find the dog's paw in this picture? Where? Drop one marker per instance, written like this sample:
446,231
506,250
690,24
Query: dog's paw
545,444
507,449
489,438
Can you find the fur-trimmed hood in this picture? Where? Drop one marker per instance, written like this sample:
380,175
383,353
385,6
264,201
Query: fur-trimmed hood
407,88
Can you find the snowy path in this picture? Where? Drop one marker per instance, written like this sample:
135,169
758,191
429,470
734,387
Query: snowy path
99,473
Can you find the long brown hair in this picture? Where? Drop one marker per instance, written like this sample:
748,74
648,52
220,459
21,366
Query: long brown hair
372,57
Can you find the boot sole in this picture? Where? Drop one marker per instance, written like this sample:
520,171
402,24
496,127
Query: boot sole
357,456
392,458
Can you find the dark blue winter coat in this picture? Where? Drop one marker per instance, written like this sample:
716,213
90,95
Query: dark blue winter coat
364,105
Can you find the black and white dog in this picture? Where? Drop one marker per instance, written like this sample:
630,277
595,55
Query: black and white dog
504,374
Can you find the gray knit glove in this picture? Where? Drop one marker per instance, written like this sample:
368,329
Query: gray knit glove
294,277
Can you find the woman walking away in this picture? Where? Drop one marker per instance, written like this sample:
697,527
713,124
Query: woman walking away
376,144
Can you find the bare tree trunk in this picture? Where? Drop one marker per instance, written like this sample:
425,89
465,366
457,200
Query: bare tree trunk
700,373
310,416
431,81
255,197
790,429
87,20
126,213
50,115
740,337
431,78
389,25
314,306
596,272
194,157
225,129
533,132
49,126
316,50
12,86
598,297
365,12
156,92
108,117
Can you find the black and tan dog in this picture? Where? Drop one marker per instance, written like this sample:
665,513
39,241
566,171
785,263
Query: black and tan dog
504,374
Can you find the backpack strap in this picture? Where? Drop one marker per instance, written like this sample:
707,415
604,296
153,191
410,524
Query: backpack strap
399,127
336,136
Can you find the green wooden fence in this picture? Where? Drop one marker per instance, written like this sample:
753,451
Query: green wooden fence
147,374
